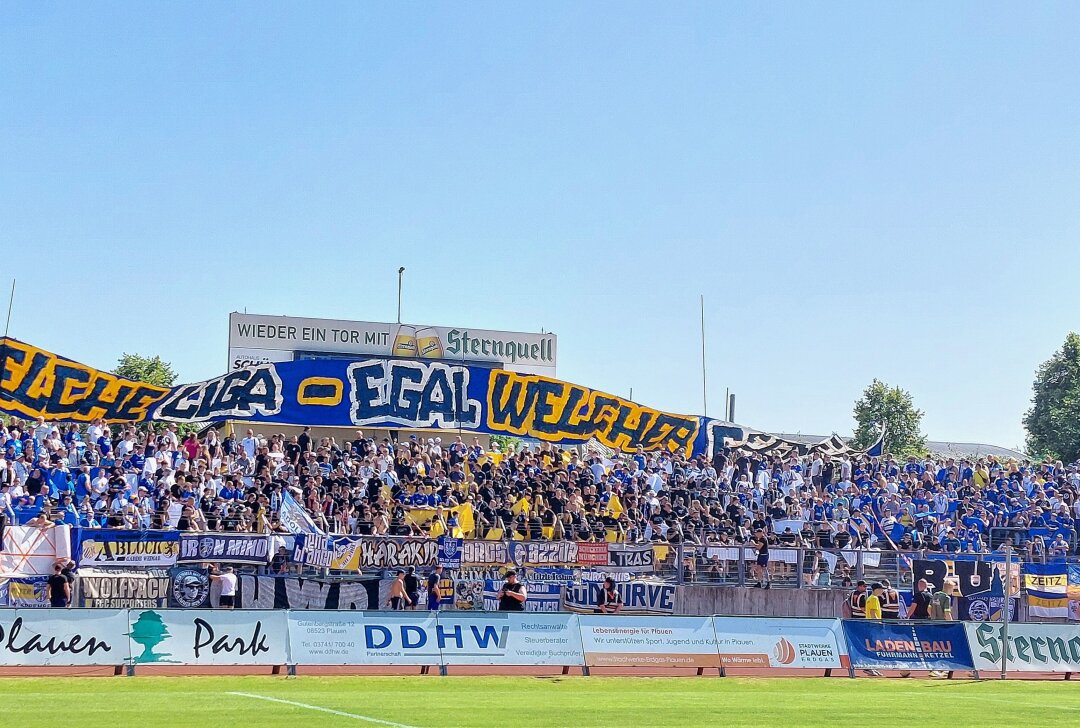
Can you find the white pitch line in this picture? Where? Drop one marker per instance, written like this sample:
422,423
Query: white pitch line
322,709
983,698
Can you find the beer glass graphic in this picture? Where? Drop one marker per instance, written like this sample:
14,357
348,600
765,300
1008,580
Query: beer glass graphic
404,342
428,343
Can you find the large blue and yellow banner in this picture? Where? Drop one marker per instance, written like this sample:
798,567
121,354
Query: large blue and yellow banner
393,393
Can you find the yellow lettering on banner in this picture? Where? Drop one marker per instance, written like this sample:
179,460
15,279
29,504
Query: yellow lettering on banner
42,385
38,383
15,370
328,401
69,395
556,411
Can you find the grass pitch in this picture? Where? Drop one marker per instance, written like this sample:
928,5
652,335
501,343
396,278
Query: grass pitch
576,702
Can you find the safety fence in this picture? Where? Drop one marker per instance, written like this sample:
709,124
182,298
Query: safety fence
124,569
196,638
31,551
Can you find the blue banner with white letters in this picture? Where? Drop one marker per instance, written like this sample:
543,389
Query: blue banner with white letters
450,552
374,392
541,596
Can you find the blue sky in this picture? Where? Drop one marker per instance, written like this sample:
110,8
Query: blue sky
857,191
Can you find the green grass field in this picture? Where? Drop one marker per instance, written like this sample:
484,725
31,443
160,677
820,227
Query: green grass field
432,702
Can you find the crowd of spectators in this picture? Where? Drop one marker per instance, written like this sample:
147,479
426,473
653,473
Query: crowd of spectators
154,477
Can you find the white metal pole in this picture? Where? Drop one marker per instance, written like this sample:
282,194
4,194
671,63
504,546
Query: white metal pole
400,272
1005,614
704,388
11,301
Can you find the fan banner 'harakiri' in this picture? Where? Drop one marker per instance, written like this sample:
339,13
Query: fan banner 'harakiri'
382,393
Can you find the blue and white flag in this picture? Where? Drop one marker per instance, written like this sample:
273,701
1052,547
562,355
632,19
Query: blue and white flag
878,448
450,552
294,517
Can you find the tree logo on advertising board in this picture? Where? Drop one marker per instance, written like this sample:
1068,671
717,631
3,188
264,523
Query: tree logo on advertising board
149,631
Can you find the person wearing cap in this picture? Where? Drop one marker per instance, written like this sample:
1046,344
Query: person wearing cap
857,601
512,596
890,601
227,579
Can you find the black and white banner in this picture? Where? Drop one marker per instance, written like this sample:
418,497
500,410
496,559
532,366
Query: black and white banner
231,548
192,588
123,589
268,592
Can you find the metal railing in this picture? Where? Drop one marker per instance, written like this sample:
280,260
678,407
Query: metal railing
806,568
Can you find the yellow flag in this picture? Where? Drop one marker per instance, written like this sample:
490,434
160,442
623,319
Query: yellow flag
494,534
615,506
521,506
437,528
464,513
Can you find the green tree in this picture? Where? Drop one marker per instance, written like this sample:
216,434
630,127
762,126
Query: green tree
150,369
507,443
894,408
1053,422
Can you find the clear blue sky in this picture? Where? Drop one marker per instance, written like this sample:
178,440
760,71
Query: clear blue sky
857,191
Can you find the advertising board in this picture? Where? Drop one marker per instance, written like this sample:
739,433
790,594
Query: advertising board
766,642
1031,647
34,637
255,338
207,637
907,646
617,641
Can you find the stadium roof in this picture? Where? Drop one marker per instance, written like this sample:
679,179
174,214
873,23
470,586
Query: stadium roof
937,447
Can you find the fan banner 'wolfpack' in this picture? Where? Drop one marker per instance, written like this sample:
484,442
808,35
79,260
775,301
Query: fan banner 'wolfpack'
336,393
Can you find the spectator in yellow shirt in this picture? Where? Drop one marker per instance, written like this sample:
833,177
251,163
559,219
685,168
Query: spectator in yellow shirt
873,602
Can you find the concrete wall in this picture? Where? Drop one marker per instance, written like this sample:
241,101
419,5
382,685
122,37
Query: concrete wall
740,601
